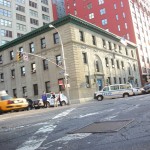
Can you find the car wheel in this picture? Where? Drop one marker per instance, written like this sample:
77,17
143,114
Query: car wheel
48,104
63,103
99,98
125,95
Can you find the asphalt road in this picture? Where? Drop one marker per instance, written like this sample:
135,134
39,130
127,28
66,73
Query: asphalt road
52,128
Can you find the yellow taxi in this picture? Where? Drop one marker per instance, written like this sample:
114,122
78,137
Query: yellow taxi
8,103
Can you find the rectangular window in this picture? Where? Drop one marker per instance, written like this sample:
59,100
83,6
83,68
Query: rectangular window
84,55
115,6
102,11
81,36
97,66
109,80
45,64
45,9
93,40
19,35
15,93
32,4
120,80
13,73
104,22
124,80
20,17
122,64
134,67
115,81
132,54
33,13
101,2
47,86
112,63
21,27
91,15
33,68
61,84
45,17
1,60
104,43
44,2
34,21
126,51
24,91
6,23
58,60
6,33
35,89
106,61
56,38
5,13
11,55
31,46
118,66
43,43
22,71
87,81
2,77
109,43
89,6
20,8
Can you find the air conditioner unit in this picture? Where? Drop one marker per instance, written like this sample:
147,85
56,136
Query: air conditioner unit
1,61
107,65
104,46
122,67
113,66
2,80
12,77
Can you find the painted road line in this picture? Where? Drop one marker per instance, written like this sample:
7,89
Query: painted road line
63,114
41,135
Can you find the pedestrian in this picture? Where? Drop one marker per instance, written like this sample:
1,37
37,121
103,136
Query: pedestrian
59,98
44,98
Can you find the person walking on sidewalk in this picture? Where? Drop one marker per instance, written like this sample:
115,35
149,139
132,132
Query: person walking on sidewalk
44,99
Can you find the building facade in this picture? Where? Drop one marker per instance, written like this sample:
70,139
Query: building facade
18,17
126,18
94,58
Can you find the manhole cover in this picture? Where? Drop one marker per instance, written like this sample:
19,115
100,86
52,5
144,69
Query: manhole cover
103,127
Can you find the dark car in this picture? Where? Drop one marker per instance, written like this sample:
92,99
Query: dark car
147,88
38,103
30,104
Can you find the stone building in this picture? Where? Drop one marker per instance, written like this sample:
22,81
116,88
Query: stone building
94,57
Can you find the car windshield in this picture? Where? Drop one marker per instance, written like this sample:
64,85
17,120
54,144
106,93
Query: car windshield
6,97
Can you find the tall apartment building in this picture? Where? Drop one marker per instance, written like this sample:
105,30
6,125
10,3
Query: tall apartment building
127,18
18,17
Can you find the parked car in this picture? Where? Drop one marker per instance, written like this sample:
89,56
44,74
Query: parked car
147,88
38,103
51,100
137,91
8,103
114,91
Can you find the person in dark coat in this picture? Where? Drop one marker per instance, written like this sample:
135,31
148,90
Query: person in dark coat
44,98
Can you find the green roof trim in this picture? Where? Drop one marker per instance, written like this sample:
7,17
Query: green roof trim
67,19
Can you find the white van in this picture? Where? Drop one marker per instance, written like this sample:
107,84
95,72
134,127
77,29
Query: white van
114,91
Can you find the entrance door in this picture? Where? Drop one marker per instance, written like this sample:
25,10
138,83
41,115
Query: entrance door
99,83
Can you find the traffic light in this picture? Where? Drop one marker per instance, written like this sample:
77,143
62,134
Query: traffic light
19,56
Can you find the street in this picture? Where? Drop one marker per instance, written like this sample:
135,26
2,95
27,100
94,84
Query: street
56,128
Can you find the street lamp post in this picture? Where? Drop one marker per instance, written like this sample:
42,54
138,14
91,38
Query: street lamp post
64,62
